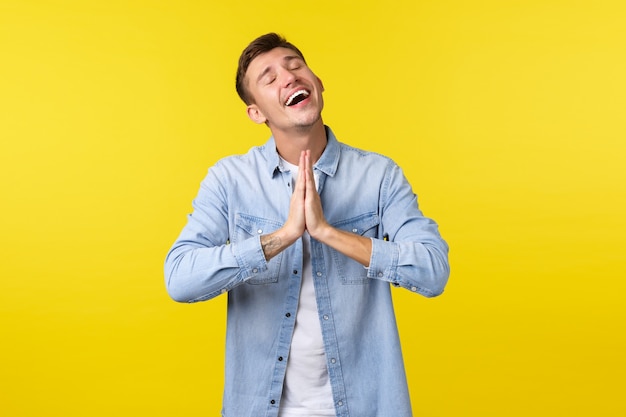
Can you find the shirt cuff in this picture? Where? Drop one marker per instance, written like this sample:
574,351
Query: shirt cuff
384,261
250,257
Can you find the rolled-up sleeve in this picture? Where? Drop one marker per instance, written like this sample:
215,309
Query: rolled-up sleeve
413,255
203,263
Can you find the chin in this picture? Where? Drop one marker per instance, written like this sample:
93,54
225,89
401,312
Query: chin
309,120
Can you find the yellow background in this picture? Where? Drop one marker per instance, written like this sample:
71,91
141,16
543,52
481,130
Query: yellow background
507,116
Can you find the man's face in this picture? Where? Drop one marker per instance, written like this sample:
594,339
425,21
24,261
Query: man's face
285,93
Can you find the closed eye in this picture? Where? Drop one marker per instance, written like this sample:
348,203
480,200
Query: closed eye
294,62
268,78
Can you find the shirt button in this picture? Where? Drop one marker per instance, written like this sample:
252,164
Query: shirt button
413,288
333,360
255,270
380,274
295,272
223,290
355,230
280,359
259,231
273,402
325,317
288,315
339,403
319,274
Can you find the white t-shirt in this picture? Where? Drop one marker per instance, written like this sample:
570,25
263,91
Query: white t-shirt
306,391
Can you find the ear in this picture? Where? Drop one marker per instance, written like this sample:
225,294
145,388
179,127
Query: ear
321,83
255,114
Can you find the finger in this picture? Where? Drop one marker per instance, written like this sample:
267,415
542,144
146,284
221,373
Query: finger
301,180
310,182
302,162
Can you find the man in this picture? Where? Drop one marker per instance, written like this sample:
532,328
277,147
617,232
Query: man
305,235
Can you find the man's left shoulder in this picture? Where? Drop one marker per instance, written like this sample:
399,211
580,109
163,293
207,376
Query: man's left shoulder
364,155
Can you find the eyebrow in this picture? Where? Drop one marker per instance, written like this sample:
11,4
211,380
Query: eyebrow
286,58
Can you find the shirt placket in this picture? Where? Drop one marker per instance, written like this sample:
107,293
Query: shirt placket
288,318
327,320
329,333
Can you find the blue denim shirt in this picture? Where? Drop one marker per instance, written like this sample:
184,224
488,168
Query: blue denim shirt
219,252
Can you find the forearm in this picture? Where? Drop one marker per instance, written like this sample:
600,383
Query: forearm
276,242
353,246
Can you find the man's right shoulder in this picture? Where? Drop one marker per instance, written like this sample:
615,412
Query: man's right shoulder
253,155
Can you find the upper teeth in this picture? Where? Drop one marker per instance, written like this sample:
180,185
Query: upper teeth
296,94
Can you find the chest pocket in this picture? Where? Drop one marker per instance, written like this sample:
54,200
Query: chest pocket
349,270
247,227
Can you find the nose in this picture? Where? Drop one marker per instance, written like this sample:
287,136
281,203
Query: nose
287,77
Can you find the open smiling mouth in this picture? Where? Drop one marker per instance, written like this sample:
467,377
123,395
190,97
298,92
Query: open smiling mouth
296,97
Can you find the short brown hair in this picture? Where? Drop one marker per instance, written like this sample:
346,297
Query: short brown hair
257,47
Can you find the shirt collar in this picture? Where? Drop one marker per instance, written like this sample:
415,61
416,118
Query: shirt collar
327,163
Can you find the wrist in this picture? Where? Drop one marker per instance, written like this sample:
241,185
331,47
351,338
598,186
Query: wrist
287,235
323,234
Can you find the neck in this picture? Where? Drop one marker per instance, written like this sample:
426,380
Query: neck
291,144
